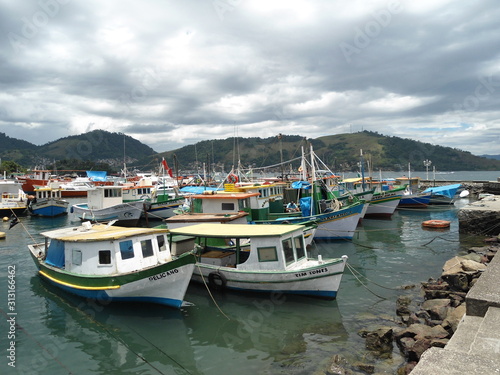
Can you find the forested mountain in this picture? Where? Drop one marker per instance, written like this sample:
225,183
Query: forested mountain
102,150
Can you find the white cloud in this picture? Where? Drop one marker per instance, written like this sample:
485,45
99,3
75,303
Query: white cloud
179,71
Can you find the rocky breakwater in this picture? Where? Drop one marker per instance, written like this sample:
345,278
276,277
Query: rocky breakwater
433,321
481,217
426,318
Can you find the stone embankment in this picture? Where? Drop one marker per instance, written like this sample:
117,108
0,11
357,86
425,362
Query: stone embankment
474,346
481,217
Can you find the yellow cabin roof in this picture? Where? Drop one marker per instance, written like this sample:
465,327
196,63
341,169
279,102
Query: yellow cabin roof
236,230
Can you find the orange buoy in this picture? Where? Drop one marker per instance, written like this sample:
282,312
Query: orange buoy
436,224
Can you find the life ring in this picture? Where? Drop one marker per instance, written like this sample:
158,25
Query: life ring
232,178
436,224
217,280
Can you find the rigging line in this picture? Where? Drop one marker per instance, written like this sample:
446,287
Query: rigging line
361,282
209,292
38,343
108,331
160,350
20,222
373,282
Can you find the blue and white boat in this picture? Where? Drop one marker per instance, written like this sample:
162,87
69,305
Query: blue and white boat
48,202
105,204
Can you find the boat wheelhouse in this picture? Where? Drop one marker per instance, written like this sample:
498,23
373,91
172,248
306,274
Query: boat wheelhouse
105,204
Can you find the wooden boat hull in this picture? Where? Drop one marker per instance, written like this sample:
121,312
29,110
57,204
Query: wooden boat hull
165,284
414,201
49,207
383,204
126,214
317,279
163,210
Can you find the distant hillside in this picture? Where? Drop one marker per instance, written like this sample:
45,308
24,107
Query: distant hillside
103,150
496,157
98,149
341,153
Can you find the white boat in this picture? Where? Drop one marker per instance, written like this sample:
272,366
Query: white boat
48,202
13,201
105,204
259,258
114,264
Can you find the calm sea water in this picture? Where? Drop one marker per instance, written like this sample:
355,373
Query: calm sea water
56,333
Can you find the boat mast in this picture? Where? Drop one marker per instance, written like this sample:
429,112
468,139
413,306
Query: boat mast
313,178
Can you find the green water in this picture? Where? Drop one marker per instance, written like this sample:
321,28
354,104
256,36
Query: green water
57,333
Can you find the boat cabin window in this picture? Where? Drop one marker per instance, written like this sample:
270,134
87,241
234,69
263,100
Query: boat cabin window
77,257
288,251
108,193
162,245
243,203
299,247
267,254
104,256
147,248
127,249
227,207
264,193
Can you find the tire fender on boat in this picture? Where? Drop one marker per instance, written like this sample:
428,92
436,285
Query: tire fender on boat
217,280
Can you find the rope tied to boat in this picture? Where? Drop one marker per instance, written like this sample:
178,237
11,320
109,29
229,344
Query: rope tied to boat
209,292
355,273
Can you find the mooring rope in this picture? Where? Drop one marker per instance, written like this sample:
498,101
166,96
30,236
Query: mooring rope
209,292
362,283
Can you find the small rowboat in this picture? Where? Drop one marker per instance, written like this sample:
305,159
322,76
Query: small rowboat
436,224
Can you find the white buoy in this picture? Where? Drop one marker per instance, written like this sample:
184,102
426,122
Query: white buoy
464,193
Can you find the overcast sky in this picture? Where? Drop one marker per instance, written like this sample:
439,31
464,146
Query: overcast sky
171,73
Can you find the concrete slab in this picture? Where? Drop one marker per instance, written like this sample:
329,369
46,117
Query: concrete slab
438,361
463,337
486,290
487,340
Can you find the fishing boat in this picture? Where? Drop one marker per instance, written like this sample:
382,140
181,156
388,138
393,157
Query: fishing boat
113,263
412,198
48,202
259,258
443,195
14,201
385,202
37,177
105,204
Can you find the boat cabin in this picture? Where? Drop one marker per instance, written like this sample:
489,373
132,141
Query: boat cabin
249,247
105,250
104,197
47,193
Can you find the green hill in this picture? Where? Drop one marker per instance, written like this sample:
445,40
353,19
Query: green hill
341,153
103,150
